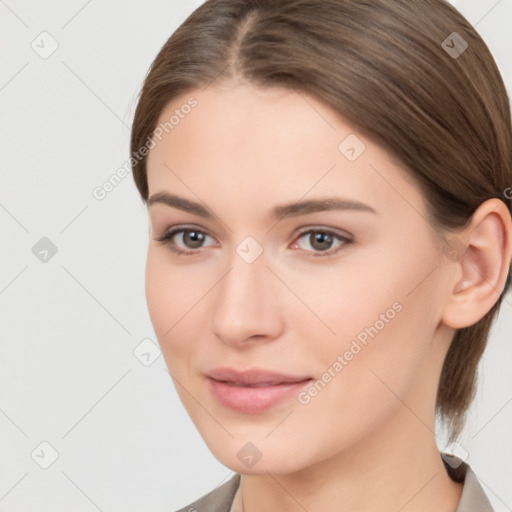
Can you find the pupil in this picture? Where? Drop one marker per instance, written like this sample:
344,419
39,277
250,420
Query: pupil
193,239
321,241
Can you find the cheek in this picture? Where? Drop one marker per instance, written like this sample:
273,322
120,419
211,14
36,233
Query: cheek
363,374
344,302
178,307
383,318
161,301
369,295
170,294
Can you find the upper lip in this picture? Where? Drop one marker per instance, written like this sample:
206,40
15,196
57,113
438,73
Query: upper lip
253,376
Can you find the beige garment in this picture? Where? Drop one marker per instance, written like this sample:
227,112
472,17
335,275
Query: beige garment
227,497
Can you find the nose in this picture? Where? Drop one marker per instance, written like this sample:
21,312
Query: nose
246,306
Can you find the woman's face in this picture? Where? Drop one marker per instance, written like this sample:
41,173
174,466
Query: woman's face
306,252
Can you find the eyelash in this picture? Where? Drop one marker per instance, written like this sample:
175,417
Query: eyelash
166,239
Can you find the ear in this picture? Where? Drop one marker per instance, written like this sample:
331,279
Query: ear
481,256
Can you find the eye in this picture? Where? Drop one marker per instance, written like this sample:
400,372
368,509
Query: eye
318,242
184,241
321,242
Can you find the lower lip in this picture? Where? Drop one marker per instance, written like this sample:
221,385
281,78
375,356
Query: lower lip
249,400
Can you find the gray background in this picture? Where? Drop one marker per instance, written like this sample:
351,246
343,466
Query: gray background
70,324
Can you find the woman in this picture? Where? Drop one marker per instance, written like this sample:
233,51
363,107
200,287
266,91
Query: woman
327,184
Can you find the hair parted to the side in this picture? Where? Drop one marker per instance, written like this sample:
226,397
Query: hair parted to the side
381,65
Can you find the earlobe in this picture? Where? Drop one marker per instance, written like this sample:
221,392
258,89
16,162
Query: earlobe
483,266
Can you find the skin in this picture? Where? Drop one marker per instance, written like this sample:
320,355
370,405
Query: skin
367,440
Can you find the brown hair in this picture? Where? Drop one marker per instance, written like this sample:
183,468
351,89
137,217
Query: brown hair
396,71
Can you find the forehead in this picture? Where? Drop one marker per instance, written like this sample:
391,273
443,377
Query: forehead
248,116
266,144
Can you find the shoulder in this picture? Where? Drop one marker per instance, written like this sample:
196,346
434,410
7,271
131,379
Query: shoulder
217,500
473,498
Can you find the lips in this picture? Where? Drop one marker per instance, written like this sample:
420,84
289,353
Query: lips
255,377
253,391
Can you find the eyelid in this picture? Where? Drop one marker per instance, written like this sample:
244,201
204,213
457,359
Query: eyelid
324,229
184,227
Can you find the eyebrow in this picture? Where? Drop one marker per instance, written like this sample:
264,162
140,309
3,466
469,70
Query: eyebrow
278,212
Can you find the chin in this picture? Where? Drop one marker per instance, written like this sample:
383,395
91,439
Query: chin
259,457
274,466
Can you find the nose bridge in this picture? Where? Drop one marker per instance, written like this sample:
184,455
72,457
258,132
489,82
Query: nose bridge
245,301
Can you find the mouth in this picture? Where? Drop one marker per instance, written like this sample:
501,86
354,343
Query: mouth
255,376
255,390
259,385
